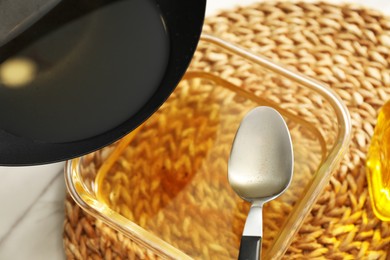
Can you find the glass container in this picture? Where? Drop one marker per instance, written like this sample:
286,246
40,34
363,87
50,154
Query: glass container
165,184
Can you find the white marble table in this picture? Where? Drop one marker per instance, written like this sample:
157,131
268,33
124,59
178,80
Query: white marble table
31,198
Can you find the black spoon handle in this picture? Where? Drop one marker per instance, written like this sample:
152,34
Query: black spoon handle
250,248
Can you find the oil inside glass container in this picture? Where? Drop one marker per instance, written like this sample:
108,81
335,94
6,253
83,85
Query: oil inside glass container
378,165
169,176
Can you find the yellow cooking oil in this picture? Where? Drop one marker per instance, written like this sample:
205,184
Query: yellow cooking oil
169,175
378,165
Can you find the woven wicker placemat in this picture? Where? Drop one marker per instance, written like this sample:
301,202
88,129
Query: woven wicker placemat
344,46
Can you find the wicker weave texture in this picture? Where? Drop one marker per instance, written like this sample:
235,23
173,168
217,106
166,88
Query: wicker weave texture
344,46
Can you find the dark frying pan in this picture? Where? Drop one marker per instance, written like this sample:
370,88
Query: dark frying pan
96,69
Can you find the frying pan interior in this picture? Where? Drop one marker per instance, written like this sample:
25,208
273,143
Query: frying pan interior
88,71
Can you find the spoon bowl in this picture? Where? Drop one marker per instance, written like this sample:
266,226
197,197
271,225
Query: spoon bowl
260,168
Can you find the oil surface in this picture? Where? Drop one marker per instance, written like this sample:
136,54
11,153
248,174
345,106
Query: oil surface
378,165
169,175
82,69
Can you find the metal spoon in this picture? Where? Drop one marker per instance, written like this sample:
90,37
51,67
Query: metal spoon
260,168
